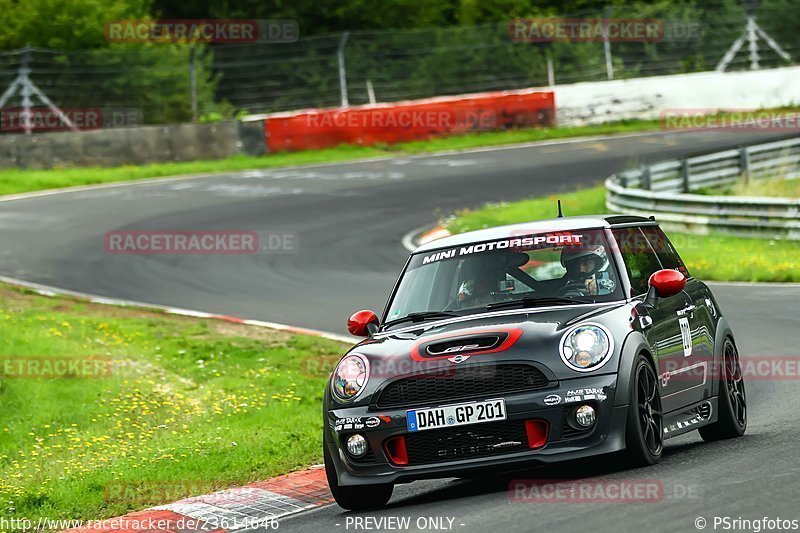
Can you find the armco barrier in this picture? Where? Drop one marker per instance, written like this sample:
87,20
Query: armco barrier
666,190
408,121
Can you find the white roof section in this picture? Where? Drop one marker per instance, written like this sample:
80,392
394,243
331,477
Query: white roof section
518,230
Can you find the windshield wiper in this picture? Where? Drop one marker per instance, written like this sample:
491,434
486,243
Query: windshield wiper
535,302
419,317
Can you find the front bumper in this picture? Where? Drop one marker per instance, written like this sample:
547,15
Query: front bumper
377,426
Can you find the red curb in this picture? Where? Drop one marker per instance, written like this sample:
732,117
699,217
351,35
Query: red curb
310,486
439,232
227,318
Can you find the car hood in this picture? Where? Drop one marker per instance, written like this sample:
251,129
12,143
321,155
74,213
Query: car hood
520,335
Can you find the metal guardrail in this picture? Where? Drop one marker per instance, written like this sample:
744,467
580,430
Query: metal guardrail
667,189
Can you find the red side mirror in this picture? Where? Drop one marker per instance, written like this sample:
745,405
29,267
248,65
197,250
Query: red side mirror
362,323
668,282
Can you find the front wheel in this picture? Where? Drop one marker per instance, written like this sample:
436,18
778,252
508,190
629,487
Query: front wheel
732,420
644,434
357,497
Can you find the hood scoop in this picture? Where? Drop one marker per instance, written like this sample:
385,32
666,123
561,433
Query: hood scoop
464,345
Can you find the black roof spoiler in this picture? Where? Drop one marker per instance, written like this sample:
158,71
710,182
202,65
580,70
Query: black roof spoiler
628,219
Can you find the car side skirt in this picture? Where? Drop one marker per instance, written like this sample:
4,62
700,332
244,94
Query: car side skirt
690,418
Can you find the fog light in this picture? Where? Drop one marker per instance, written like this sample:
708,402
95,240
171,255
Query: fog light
356,445
585,415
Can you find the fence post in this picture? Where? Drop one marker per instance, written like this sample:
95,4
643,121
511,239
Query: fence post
193,82
752,40
685,175
744,164
25,90
551,77
646,182
342,71
371,93
607,44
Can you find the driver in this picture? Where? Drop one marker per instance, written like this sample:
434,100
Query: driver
583,263
480,277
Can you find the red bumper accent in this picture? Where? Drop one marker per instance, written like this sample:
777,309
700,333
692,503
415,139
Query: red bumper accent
396,450
537,431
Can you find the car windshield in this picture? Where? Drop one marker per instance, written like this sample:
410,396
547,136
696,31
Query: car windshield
547,268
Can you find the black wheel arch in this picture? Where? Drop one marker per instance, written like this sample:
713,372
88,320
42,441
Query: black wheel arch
635,344
723,332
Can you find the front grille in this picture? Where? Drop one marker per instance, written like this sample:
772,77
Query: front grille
461,383
480,440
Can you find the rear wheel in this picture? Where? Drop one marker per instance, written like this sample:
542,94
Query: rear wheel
732,420
357,497
644,433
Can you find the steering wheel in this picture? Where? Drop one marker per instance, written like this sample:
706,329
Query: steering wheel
573,288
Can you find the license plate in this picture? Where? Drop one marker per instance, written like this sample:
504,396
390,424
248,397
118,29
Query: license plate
456,415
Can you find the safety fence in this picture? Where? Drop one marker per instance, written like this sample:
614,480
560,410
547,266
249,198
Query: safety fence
177,82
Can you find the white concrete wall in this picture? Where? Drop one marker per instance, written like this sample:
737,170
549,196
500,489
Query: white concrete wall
604,101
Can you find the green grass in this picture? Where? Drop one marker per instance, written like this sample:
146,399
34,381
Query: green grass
776,187
17,181
189,406
709,257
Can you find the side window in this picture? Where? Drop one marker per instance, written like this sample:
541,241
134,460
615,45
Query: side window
664,250
640,259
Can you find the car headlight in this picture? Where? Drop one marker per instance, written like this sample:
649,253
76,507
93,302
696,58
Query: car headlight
586,347
350,377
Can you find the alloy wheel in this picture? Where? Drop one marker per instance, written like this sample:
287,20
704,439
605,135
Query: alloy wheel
650,412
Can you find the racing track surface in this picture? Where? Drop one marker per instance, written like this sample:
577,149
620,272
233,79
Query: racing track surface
349,220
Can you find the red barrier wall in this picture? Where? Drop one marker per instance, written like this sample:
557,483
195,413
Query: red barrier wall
408,121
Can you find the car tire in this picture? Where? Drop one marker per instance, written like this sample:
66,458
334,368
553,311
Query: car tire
357,497
644,431
732,421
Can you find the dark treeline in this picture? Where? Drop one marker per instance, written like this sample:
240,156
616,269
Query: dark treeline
396,49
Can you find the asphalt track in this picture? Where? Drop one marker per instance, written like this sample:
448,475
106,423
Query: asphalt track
348,220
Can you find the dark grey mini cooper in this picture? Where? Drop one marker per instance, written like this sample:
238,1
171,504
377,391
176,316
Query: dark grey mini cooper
530,344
